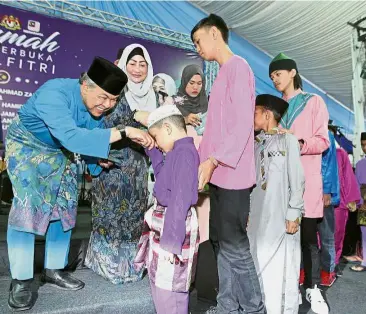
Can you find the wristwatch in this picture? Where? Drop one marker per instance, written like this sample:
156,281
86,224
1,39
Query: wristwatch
122,131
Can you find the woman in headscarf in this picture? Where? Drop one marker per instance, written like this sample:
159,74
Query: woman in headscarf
164,85
120,193
192,102
191,98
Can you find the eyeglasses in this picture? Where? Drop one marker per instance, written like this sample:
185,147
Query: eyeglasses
112,101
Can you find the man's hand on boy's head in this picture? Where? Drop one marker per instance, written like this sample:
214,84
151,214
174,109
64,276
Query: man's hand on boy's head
292,227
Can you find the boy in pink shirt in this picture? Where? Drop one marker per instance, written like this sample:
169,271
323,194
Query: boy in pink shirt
307,118
227,163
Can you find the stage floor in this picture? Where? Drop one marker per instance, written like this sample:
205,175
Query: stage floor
99,296
347,296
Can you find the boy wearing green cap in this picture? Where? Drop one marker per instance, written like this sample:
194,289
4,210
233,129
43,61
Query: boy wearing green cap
307,118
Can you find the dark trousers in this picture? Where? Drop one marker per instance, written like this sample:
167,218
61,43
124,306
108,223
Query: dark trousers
310,251
352,236
326,232
239,289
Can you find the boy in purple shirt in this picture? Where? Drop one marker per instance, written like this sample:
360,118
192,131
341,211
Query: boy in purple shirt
227,163
170,239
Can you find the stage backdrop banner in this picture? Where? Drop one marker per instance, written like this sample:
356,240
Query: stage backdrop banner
35,48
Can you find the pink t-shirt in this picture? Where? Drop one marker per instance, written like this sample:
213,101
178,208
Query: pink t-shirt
229,131
311,126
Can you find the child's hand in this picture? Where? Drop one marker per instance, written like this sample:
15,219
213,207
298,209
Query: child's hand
292,227
205,172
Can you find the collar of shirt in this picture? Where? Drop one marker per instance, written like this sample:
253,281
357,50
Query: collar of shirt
182,141
78,99
295,93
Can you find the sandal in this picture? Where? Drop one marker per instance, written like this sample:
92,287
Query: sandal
358,268
354,259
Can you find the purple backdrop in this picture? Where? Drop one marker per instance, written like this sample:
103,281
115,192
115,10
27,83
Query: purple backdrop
35,48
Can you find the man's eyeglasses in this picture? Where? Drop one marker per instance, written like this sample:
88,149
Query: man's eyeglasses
113,101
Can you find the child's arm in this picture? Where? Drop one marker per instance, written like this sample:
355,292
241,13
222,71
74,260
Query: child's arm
183,187
296,179
157,160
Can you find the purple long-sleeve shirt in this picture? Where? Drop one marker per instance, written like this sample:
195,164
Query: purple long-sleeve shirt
176,187
361,171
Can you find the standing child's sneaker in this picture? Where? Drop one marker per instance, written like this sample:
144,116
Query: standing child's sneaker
327,279
338,271
315,298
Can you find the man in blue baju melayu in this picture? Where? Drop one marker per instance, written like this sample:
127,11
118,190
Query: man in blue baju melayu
63,117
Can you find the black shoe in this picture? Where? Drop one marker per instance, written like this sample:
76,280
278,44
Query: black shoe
21,297
61,280
338,271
